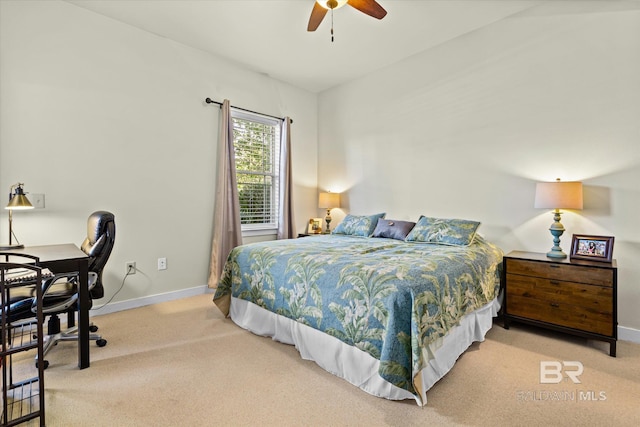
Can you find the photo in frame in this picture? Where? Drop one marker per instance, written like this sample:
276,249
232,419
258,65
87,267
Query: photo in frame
315,226
592,248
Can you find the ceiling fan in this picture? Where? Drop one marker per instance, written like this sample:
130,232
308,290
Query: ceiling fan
321,7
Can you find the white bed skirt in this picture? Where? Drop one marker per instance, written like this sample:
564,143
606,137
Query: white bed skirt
353,364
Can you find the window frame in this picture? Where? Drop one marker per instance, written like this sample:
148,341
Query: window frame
265,228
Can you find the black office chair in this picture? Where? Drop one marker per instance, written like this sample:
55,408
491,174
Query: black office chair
60,290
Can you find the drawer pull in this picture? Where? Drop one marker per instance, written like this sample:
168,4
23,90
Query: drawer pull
554,304
554,266
554,282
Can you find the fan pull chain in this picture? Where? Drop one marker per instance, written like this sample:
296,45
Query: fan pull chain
331,25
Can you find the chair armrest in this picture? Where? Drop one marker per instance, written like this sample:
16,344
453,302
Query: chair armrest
57,303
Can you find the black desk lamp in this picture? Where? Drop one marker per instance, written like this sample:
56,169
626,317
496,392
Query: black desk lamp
17,201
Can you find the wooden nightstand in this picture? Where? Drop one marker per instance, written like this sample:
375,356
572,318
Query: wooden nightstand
572,296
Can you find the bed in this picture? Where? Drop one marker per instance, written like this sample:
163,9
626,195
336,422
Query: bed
390,315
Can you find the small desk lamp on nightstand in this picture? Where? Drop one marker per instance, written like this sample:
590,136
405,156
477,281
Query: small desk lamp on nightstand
558,195
328,201
17,201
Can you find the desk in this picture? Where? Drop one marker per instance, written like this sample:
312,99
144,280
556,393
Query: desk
66,258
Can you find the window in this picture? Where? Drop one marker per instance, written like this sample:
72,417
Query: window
256,141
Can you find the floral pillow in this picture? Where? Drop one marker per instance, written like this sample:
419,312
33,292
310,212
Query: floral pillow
456,232
358,225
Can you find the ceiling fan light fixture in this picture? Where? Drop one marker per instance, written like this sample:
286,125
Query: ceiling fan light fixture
331,4
322,7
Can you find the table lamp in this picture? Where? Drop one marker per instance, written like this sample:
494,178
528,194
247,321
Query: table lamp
328,201
17,201
558,195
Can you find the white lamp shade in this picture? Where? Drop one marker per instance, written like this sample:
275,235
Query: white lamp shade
329,200
558,195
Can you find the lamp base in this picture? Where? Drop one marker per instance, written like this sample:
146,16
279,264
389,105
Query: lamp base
556,230
556,254
328,220
10,247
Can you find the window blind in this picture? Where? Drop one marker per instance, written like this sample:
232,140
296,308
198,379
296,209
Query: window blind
257,154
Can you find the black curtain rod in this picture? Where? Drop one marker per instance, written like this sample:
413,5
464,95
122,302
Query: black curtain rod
211,101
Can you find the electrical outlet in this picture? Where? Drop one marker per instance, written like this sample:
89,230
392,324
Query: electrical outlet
131,267
162,263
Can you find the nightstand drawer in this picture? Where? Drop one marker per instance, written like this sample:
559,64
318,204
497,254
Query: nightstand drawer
573,273
590,297
562,314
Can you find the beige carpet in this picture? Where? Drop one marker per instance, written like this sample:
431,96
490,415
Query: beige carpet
182,364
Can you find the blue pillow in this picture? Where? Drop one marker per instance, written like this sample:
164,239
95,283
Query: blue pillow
392,229
358,225
456,232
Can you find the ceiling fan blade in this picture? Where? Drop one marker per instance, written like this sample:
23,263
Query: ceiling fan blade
317,15
370,7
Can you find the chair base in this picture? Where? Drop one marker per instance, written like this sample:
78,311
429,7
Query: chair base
69,335
56,335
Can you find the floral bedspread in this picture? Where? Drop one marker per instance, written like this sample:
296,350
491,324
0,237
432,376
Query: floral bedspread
386,297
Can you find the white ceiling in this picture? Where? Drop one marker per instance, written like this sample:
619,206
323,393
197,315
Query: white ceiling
270,36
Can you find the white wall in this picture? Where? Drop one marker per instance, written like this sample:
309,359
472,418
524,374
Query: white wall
466,130
97,114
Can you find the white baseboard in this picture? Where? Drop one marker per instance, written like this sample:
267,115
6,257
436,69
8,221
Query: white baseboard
148,300
628,334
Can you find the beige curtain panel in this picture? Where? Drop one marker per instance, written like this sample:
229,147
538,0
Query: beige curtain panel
286,224
227,231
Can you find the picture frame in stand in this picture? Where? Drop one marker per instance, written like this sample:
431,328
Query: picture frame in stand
315,226
592,248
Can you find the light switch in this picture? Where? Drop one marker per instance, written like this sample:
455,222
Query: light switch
37,200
